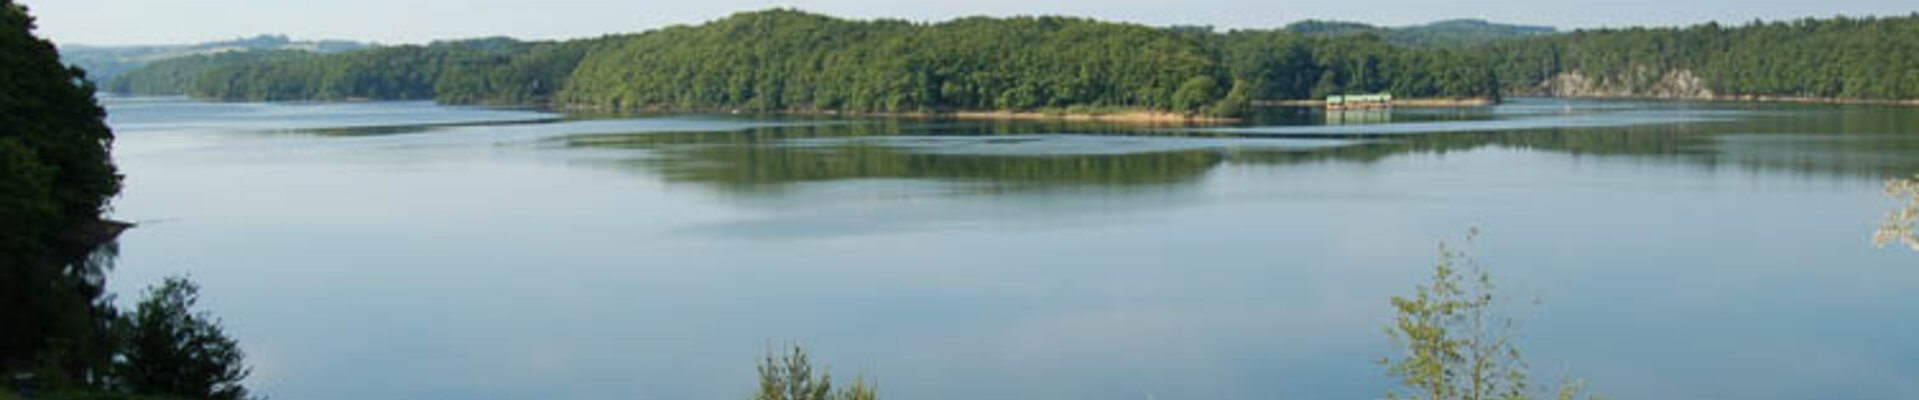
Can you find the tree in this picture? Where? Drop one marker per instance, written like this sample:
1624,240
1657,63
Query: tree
1327,85
1836,57
1195,93
1898,225
791,377
174,350
1457,343
1235,103
786,60
56,177
50,108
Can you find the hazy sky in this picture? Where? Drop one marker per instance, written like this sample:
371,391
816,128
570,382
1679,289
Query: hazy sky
410,21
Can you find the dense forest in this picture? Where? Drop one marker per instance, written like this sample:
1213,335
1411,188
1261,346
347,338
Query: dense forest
104,63
784,60
177,75
492,70
1458,32
59,327
1857,58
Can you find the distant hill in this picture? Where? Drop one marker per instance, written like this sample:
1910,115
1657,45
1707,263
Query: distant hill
173,76
1443,33
789,60
784,60
103,63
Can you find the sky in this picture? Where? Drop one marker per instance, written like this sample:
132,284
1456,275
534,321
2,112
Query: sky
120,22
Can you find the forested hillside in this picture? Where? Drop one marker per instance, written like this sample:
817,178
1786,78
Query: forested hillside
493,70
174,76
1858,58
787,60
783,60
104,63
1458,32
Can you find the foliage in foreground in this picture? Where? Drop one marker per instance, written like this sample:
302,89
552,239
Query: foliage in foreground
791,377
57,322
56,177
87,395
172,349
1456,341
1898,225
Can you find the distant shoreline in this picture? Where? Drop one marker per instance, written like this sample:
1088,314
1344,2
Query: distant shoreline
1440,102
1130,117
1758,99
1141,117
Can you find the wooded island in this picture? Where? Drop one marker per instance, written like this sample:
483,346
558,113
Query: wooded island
792,61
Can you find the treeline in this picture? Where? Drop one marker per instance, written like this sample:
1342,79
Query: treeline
787,60
177,75
1862,58
493,70
1450,33
1279,65
783,60
105,63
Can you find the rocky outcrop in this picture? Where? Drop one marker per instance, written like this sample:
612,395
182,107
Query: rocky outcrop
1679,84
1640,82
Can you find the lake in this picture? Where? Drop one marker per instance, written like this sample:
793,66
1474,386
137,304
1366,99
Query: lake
389,251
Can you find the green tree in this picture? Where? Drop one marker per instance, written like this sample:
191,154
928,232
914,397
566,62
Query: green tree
1860,58
172,349
1898,225
1327,85
786,60
56,177
1195,93
1237,101
791,377
1456,341
175,76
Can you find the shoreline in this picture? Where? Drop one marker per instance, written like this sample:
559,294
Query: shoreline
1815,100
1141,117
1747,98
1131,117
1431,102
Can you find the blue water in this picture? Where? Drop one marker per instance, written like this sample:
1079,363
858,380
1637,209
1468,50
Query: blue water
389,251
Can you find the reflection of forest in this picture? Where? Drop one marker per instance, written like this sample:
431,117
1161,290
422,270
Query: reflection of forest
770,156
1840,143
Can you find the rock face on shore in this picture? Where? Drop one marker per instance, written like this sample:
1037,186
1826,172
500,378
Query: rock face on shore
1640,82
1677,84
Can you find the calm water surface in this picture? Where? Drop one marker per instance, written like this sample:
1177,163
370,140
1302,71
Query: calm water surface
389,251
